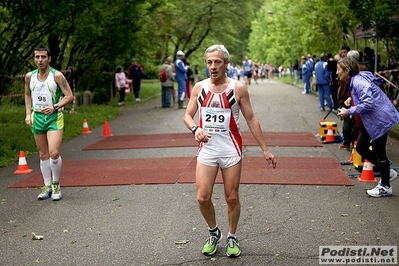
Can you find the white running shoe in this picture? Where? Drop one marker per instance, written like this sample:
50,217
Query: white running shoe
45,194
380,191
56,195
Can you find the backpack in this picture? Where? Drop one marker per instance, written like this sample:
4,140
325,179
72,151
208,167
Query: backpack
162,75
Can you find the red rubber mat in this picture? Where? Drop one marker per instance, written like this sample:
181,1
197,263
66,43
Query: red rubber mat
289,171
287,139
115,172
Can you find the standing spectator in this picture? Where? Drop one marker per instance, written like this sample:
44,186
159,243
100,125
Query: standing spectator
323,81
344,51
181,77
167,86
296,71
136,74
348,125
46,91
121,81
378,116
287,72
224,98
305,75
309,76
370,57
247,67
332,67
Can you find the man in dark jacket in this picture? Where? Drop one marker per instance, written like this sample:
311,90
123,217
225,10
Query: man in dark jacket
136,74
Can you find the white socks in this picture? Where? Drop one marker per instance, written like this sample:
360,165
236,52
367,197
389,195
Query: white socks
46,171
56,168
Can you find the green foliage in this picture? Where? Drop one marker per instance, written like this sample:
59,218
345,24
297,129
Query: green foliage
284,30
96,36
382,15
101,96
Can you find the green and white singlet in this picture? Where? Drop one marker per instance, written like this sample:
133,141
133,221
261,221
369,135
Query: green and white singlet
45,93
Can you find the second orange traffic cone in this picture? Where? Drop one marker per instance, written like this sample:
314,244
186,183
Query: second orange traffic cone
22,165
330,135
106,131
367,172
353,152
86,129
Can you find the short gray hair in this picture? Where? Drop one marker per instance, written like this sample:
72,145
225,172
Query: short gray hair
218,47
354,54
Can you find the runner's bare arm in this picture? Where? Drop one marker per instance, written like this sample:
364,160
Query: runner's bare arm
28,99
242,96
66,89
192,108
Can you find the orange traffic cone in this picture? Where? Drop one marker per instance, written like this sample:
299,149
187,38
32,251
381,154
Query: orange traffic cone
330,135
353,152
367,173
106,131
351,158
86,129
22,165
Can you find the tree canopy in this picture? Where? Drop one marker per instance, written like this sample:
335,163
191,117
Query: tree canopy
96,36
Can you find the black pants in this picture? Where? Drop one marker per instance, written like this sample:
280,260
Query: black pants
348,130
122,93
377,156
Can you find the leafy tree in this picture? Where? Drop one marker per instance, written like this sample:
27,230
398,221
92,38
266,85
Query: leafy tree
284,30
380,15
193,25
89,35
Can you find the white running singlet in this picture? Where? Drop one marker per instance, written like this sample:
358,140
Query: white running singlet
44,93
219,115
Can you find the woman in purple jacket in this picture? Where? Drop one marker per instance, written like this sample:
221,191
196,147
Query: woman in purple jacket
378,116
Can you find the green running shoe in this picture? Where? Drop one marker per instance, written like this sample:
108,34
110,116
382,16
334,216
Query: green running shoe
56,195
210,246
45,194
232,248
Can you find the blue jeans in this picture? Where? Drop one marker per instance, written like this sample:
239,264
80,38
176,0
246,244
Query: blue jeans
324,93
181,92
136,88
306,83
296,75
166,96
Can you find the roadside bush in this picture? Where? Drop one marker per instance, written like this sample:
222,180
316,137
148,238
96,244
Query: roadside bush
101,96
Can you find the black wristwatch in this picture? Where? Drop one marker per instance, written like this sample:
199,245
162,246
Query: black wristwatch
194,128
56,107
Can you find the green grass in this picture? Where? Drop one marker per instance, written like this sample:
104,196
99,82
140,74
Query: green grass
16,136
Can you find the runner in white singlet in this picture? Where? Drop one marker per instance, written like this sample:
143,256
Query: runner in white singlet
44,88
218,100
218,115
